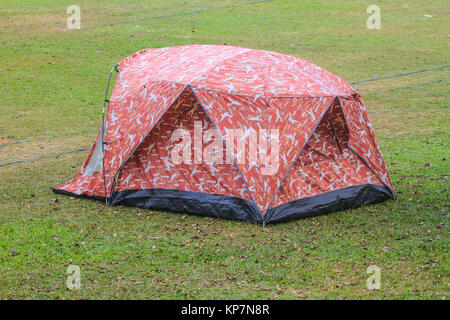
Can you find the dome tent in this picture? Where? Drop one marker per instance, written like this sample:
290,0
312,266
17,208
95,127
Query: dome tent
329,158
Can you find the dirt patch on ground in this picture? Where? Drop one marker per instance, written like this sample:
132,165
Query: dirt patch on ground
31,149
35,19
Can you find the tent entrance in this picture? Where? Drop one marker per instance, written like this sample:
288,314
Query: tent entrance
326,162
152,172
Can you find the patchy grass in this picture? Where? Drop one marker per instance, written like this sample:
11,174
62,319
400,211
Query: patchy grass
53,82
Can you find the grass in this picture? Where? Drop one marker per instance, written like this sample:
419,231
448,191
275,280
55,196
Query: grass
53,81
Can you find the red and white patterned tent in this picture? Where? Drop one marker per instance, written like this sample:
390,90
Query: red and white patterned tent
329,158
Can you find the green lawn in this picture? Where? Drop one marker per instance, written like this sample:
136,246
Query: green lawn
52,82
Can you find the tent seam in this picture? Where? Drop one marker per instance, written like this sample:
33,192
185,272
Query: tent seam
218,63
272,96
223,140
306,76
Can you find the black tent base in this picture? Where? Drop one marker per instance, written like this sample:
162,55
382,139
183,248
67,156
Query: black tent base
214,205
341,199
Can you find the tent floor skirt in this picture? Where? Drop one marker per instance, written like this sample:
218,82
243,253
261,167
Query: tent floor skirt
227,207
346,198
190,202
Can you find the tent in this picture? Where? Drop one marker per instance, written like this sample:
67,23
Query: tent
232,132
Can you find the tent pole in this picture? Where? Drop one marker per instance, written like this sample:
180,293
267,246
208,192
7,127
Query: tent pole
105,107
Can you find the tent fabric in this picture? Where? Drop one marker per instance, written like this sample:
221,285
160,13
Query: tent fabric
329,157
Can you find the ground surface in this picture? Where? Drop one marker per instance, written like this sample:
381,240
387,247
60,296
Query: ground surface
52,82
